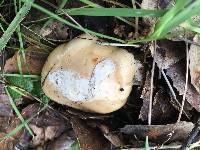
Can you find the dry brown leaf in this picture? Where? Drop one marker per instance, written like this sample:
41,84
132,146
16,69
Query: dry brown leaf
168,53
46,118
7,124
177,75
112,137
39,138
194,56
161,109
146,97
159,133
55,30
35,60
89,138
7,144
5,107
62,142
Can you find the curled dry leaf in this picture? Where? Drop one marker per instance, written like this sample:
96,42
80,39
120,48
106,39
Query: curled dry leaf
194,56
89,138
177,75
160,133
35,60
168,53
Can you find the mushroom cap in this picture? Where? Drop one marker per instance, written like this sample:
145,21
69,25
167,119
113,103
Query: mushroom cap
87,76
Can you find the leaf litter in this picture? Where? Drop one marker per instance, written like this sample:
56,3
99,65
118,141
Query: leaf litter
58,126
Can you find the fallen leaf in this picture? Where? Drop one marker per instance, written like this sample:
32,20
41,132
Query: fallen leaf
55,30
65,141
168,53
8,124
177,75
89,138
48,117
113,137
161,108
39,138
146,97
159,133
5,107
194,56
35,60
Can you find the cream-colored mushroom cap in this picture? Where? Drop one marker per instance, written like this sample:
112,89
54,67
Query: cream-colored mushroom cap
87,76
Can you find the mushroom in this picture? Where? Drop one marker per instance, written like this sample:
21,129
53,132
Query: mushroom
88,76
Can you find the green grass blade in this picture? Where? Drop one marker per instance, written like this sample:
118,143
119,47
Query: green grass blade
21,53
19,63
147,143
1,2
62,5
14,24
175,16
2,27
169,16
92,4
55,16
116,12
183,15
19,75
18,113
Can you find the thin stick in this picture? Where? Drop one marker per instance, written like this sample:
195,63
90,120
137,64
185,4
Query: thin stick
136,19
118,44
172,91
186,84
154,147
151,92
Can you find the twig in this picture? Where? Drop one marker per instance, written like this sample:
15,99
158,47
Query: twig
193,134
189,41
172,91
136,19
186,84
155,147
118,44
151,92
